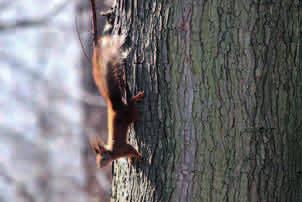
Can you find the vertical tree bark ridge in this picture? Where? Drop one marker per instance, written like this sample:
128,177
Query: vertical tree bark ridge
223,97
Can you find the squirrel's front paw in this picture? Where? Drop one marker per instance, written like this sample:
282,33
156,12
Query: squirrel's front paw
139,96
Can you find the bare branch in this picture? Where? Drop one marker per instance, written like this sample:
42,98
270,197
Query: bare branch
80,40
94,22
4,5
24,23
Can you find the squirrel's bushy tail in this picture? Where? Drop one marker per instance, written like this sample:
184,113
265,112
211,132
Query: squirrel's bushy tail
108,73
110,48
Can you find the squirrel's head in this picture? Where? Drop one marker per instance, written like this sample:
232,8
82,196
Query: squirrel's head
103,155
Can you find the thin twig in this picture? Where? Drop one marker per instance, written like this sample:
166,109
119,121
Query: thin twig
81,43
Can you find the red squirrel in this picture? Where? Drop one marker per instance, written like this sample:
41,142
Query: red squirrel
121,111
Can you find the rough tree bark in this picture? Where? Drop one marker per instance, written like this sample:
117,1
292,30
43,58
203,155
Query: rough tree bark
222,114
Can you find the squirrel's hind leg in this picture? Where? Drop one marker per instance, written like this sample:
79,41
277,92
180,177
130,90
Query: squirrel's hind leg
134,155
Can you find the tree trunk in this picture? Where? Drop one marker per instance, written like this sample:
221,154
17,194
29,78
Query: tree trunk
221,120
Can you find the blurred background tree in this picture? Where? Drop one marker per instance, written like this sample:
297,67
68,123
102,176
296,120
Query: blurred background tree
49,105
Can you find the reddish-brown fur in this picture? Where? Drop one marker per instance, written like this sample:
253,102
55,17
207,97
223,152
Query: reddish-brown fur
121,112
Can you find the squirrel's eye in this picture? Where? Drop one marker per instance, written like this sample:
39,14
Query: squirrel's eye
105,157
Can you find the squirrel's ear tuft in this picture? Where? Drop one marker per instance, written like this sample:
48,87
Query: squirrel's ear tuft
96,144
